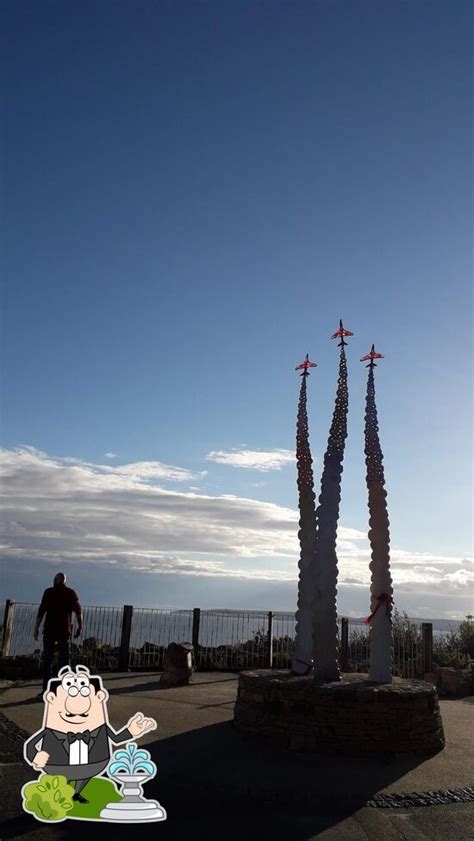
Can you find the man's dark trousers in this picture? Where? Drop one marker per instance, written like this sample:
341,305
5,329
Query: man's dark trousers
49,645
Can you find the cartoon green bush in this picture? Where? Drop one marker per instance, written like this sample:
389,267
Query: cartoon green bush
49,798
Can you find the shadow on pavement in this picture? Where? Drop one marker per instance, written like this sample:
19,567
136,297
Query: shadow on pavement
25,703
214,784
155,685
151,686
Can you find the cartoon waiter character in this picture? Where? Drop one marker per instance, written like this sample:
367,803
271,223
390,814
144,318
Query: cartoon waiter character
76,735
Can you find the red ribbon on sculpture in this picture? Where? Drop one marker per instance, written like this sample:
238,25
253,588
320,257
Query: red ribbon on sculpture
383,598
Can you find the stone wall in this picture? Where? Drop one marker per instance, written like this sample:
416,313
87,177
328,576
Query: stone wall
350,717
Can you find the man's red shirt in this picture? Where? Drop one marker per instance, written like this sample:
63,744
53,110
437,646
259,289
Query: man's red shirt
59,602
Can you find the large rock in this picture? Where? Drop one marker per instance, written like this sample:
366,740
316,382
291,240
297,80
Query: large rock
455,683
178,666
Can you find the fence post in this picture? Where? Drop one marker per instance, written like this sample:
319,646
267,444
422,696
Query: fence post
124,655
7,626
195,633
344,653
427,634
270,639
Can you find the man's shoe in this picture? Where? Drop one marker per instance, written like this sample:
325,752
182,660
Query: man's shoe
79,798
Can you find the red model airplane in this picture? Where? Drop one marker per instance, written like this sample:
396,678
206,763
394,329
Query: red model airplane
372,355
305,365
339,334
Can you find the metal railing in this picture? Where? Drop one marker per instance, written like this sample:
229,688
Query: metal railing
283,634
412,648
121,638
232,639
98,646
23,626
152,630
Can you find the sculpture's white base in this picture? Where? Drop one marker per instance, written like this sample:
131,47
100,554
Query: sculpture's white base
145,810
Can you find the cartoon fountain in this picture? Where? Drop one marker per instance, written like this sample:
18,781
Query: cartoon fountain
130,768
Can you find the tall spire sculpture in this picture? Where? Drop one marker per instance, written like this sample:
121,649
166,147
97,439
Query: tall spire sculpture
325,626
381,589
303,654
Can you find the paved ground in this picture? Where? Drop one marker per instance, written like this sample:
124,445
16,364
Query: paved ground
215,785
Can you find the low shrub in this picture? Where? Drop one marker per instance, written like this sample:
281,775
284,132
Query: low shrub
49,798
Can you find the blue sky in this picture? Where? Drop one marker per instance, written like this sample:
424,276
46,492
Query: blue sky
194,194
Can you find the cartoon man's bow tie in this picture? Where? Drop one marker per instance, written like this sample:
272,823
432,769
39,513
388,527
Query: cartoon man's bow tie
85,736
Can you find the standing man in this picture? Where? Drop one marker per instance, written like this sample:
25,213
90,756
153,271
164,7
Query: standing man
58,603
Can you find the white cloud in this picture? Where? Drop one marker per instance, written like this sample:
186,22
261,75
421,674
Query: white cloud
81,506
172,565
110,455
68,510
253,459
147,470
138,470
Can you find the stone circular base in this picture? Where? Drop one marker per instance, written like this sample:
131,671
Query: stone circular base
352,716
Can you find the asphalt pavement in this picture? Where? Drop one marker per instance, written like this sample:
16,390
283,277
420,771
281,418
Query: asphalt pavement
216,785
